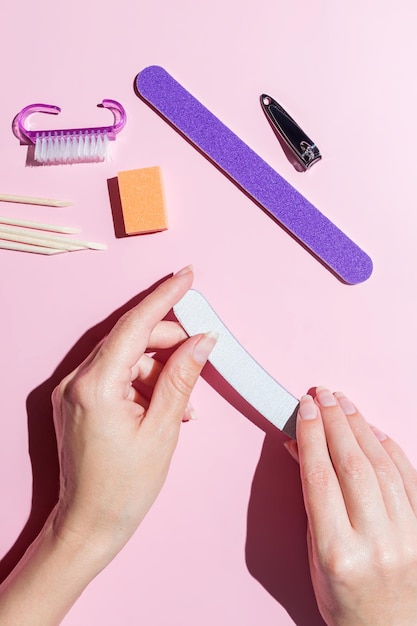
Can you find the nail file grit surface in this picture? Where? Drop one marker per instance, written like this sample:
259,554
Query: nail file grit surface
236,365
253,175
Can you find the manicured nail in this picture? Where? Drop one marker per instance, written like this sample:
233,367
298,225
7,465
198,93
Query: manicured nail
291,447
184,270
189,414
347,406
204,346
307,410
325,397
378,433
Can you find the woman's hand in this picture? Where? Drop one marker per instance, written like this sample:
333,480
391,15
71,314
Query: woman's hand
117,419
360,494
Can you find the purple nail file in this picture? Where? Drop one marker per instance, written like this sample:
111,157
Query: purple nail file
253,175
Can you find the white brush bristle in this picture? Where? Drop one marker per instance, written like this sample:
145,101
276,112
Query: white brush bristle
87,148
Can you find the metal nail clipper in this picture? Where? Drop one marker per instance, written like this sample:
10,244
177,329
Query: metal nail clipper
305,151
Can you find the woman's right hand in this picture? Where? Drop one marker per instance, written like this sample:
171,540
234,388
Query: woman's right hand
360,494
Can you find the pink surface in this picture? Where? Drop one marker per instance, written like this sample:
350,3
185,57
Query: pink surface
225,542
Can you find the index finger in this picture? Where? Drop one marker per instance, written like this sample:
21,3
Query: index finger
129,338
323,498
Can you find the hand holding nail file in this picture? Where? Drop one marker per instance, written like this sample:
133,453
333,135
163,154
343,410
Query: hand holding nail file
253,175
236,365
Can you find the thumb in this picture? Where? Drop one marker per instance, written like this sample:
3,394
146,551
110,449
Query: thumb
177,380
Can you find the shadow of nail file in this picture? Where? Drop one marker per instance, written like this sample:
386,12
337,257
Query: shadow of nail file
237,366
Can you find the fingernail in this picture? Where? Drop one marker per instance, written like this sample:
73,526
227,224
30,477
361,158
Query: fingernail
347,406
291,447
325,397
378,433
204,346
184,270
191,412
307,410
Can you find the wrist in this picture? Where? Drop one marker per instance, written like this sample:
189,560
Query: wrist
50,577
86,542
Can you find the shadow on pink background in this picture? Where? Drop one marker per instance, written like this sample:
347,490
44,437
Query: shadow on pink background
276,550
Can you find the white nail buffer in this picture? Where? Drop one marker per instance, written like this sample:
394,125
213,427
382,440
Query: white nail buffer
236,365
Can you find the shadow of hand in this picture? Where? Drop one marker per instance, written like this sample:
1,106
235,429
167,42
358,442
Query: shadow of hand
41,435
276,545
276,540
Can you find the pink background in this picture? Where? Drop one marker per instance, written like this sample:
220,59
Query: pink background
224,543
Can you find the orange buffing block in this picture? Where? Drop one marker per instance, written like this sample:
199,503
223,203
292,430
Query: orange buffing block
142,200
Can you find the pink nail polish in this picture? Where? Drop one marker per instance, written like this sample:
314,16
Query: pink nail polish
192,414
307,410
204,346
346,405
184,270
325,397
189,414
378,433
